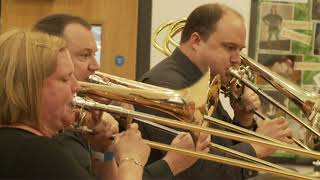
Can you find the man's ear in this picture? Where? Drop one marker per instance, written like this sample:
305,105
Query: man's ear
195,40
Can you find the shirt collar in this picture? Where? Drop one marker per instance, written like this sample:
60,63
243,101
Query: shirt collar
190,70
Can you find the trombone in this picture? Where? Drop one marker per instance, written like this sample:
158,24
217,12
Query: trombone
212,99
308,102
154,99
78,101
151,98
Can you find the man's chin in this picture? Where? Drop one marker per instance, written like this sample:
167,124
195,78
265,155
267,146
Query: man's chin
225,81
226,78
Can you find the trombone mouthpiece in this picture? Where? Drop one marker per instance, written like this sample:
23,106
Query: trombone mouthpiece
81,102
97,79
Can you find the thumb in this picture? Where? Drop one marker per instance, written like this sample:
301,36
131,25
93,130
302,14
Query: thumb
134,126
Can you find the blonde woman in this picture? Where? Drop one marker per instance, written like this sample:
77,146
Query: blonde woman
36,96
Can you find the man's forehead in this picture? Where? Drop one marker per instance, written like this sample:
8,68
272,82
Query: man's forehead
80,47
79,37
230,40
231,31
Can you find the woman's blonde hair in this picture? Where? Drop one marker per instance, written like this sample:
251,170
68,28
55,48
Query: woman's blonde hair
27,58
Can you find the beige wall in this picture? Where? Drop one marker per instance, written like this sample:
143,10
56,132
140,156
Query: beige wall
118,19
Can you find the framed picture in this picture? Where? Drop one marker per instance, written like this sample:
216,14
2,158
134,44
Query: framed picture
271,19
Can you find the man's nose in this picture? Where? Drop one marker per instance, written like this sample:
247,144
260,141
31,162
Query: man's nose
235,58
94,66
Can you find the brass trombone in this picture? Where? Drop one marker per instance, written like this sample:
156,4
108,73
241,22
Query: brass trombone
128,92
78,101
163,101
173,102
212,93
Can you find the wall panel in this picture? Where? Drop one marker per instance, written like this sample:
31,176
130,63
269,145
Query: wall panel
117,17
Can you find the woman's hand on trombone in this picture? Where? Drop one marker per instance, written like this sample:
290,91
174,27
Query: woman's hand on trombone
104,126
131,153
129,146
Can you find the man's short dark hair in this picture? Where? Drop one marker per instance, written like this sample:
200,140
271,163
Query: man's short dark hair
54,24
204,19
